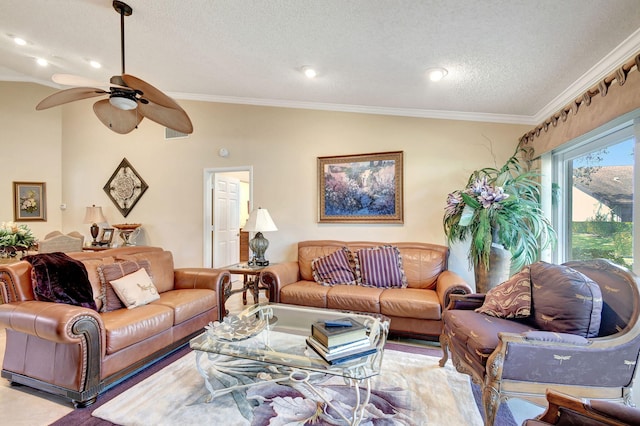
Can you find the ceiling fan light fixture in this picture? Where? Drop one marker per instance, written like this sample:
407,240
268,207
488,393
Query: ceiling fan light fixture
122,101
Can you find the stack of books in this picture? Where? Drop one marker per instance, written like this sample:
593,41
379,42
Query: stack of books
339,341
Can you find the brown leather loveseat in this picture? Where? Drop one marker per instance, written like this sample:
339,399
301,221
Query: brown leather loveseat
414,311
78,352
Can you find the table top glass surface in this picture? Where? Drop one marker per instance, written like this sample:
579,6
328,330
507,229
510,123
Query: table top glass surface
276,333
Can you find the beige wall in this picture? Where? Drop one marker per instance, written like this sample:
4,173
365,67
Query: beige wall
282,146
30,150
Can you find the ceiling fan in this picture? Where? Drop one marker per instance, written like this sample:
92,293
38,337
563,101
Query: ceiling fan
130,99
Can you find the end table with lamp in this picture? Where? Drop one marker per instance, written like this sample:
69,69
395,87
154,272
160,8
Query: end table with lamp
250,282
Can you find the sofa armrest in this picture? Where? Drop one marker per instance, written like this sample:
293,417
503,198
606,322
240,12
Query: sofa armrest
203,278
466,301
56,322
275,277
449,283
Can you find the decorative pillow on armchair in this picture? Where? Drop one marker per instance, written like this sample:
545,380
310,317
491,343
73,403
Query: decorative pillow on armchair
511,299
380,267
565,300
335,268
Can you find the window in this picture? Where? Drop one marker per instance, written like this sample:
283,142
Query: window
593,197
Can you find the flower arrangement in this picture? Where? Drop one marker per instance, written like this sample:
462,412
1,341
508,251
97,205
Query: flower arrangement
500,206
14,237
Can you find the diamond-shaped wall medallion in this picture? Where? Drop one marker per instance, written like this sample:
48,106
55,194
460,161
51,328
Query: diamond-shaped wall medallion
125,187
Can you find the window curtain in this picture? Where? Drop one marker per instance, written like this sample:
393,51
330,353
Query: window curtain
615,95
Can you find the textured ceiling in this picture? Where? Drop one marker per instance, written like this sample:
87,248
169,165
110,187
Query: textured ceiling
508,60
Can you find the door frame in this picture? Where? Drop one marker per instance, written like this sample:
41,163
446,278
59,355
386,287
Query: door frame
208,213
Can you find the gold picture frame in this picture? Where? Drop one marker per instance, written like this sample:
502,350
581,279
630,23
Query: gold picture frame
29,201
362,188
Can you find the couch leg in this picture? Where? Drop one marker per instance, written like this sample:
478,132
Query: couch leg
444,345
85,404
490,402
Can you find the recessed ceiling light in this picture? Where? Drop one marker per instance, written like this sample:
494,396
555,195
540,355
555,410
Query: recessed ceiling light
437,74
19,41
95,64
42,62
309,72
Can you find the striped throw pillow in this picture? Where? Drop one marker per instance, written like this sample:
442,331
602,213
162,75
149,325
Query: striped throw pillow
380,267
335,268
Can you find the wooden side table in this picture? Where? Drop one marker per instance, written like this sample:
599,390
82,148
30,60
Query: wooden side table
250,282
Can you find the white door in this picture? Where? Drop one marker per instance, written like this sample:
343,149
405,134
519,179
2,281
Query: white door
226,221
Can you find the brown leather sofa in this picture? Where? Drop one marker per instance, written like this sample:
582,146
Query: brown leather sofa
414,311
77,352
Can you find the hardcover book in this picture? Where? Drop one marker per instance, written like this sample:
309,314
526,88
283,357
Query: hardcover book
341,357
335,336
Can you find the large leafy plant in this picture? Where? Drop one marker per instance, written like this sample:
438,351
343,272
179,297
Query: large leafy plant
500,206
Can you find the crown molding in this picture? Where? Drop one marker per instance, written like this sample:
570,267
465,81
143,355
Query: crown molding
361,109
618,56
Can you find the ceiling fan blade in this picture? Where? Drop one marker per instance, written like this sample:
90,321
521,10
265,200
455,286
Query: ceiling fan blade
149,92
69,95
118,120
172,118
76,80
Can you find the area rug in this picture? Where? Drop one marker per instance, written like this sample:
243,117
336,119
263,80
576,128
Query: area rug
82,416
411,390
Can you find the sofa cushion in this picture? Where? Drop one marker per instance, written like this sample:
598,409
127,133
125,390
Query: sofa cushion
565,300
354,298
305,293
410,303
187,304
114,271
126,327
423,266
161,267
380,267
135,289
511,299
334,268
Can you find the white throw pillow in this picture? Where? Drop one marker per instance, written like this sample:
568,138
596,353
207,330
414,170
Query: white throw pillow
135,289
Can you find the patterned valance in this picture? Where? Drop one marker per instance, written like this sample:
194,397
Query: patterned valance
588,111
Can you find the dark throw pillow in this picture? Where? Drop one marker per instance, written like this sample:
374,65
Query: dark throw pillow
334,268
511,299
58,278
565,300
380,267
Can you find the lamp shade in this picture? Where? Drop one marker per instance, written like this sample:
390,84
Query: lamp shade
94,214
259,221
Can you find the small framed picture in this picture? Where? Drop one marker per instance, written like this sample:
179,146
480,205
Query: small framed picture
106,237
29,201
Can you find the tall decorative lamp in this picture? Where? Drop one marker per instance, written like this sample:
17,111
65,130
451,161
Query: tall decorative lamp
94,216
259,221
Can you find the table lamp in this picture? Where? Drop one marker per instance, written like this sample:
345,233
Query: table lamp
94,216
259,221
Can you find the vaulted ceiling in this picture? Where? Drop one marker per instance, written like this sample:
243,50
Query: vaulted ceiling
507,60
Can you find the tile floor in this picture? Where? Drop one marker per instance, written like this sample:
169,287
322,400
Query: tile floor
22,406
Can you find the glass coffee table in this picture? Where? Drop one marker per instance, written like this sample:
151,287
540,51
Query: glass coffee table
275,334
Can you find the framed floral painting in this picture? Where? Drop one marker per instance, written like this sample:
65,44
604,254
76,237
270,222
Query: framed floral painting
29,201
363,188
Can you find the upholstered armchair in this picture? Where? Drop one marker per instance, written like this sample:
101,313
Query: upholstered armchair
523,357
57,241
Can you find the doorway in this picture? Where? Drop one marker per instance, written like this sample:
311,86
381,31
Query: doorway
227,204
